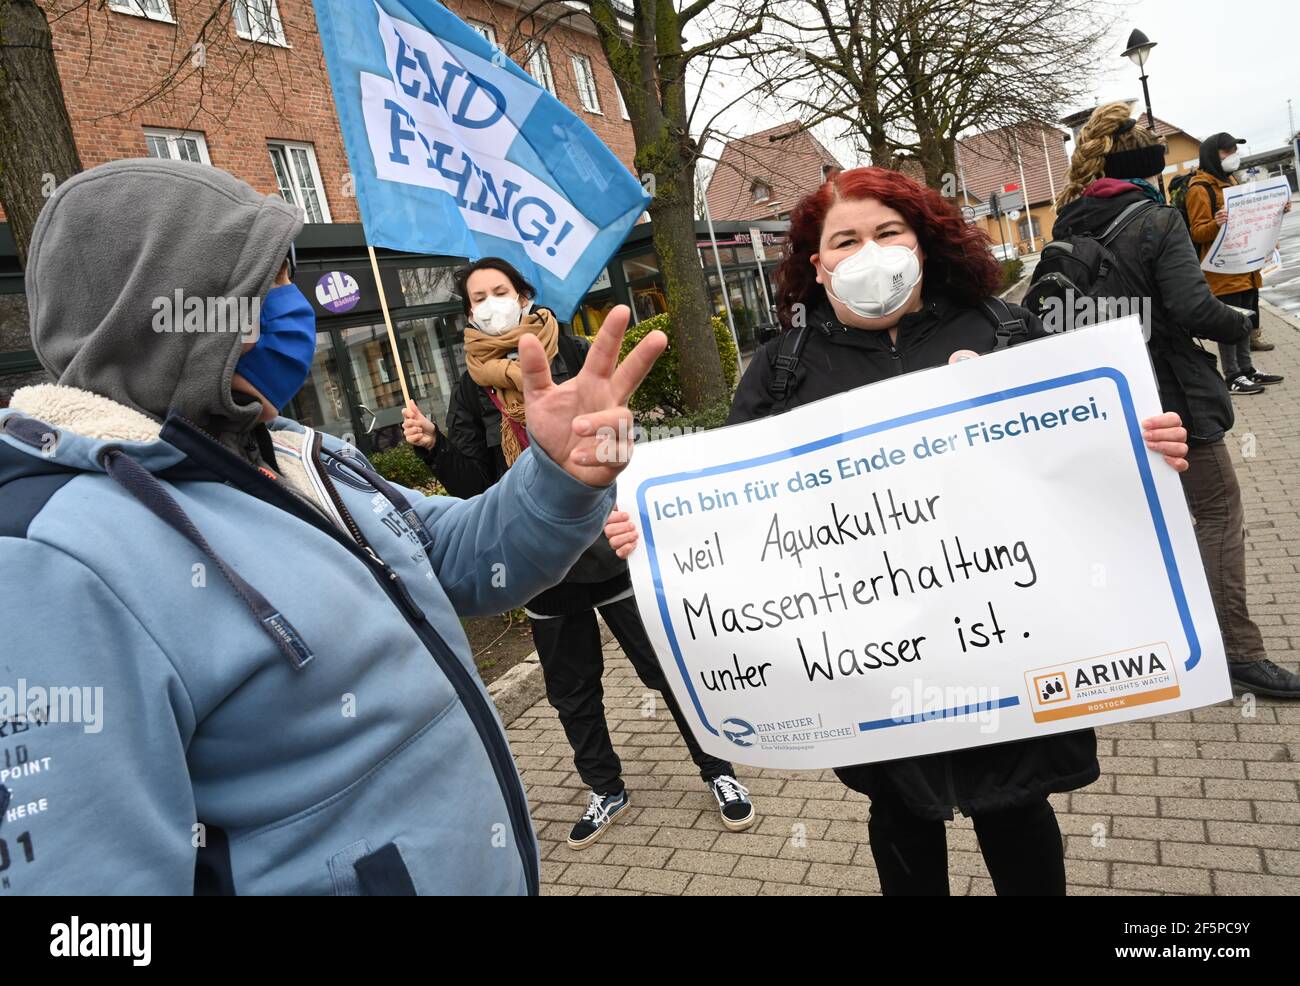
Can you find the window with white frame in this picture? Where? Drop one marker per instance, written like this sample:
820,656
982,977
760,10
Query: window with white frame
155,10
586,80
298,178
760,191
487,30
176,145
622,106
539,66
259,20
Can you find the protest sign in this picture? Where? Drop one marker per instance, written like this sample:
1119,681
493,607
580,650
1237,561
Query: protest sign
455,150
972,554
1247,240
1274,263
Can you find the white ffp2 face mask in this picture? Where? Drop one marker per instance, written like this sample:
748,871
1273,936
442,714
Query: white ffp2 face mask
875,281
499,314
1231,163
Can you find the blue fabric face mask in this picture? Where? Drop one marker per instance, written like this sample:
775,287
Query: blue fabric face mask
280,360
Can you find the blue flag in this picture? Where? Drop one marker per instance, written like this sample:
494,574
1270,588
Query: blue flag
455,150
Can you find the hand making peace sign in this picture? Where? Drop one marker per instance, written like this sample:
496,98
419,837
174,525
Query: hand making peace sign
583,423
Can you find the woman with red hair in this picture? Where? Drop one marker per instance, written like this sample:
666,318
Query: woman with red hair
881,277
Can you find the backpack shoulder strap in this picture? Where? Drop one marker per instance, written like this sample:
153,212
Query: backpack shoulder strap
1209,190
1006,323
789,352
1130,213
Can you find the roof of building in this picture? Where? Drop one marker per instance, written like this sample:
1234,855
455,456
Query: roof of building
988,161
1163,127
789,167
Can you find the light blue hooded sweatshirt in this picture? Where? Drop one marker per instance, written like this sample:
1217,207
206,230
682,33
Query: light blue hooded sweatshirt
230,658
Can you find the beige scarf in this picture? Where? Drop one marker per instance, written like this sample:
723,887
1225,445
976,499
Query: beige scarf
488,360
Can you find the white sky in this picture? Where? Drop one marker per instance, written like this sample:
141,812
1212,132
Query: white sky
1215,67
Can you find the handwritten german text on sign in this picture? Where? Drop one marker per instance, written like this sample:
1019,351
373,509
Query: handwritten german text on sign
1247,240
973,554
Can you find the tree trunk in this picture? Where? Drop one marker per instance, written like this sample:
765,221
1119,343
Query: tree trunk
699,368
650,72
37,150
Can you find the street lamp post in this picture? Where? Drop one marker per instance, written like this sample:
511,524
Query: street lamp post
1138,51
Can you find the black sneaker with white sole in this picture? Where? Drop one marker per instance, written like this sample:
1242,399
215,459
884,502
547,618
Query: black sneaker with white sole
601,811
1266,379
1242,384
733,802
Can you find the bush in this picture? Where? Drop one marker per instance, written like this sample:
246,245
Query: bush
662,389
402,466
1012,271
685,424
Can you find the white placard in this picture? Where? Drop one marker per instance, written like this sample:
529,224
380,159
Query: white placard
1247,240
972,554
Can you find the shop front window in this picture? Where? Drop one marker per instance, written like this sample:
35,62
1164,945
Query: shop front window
374,379
427,285
725,255
322,403
648,300
636,268
432,358
595,310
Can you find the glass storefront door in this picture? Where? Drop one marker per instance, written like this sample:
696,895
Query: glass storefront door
429,346
323,401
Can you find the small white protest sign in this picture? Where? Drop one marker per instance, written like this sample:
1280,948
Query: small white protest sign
1247,240
966,555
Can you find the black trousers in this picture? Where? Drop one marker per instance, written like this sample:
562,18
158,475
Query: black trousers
1021,846
572,664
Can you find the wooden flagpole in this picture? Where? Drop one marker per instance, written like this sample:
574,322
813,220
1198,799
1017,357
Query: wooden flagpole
388,322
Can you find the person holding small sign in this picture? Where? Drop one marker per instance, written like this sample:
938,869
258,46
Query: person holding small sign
882,277
1206,215
487,428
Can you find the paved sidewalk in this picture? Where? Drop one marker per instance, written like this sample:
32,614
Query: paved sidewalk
1196,803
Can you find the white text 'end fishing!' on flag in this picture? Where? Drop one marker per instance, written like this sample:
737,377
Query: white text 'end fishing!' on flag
455,150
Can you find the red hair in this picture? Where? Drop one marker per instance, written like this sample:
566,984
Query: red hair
958,261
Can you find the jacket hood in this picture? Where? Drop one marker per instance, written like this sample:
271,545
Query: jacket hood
1108,188
1211,163
1091,213
118,256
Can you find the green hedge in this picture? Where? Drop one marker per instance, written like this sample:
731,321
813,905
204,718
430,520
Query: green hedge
1012,271
401,465
709,418
662,389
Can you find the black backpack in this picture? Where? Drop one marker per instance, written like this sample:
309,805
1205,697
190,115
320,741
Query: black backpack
1005,323
1179,189
1083,266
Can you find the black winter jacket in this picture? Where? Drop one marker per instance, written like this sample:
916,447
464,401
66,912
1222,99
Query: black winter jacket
835,359
1158,258
467,459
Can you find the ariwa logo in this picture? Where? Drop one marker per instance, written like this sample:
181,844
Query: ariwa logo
102,940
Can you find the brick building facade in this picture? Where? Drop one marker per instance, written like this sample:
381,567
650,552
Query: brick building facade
240,95
255,99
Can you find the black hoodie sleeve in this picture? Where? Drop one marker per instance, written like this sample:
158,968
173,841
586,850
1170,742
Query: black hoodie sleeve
1177,275
460,458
